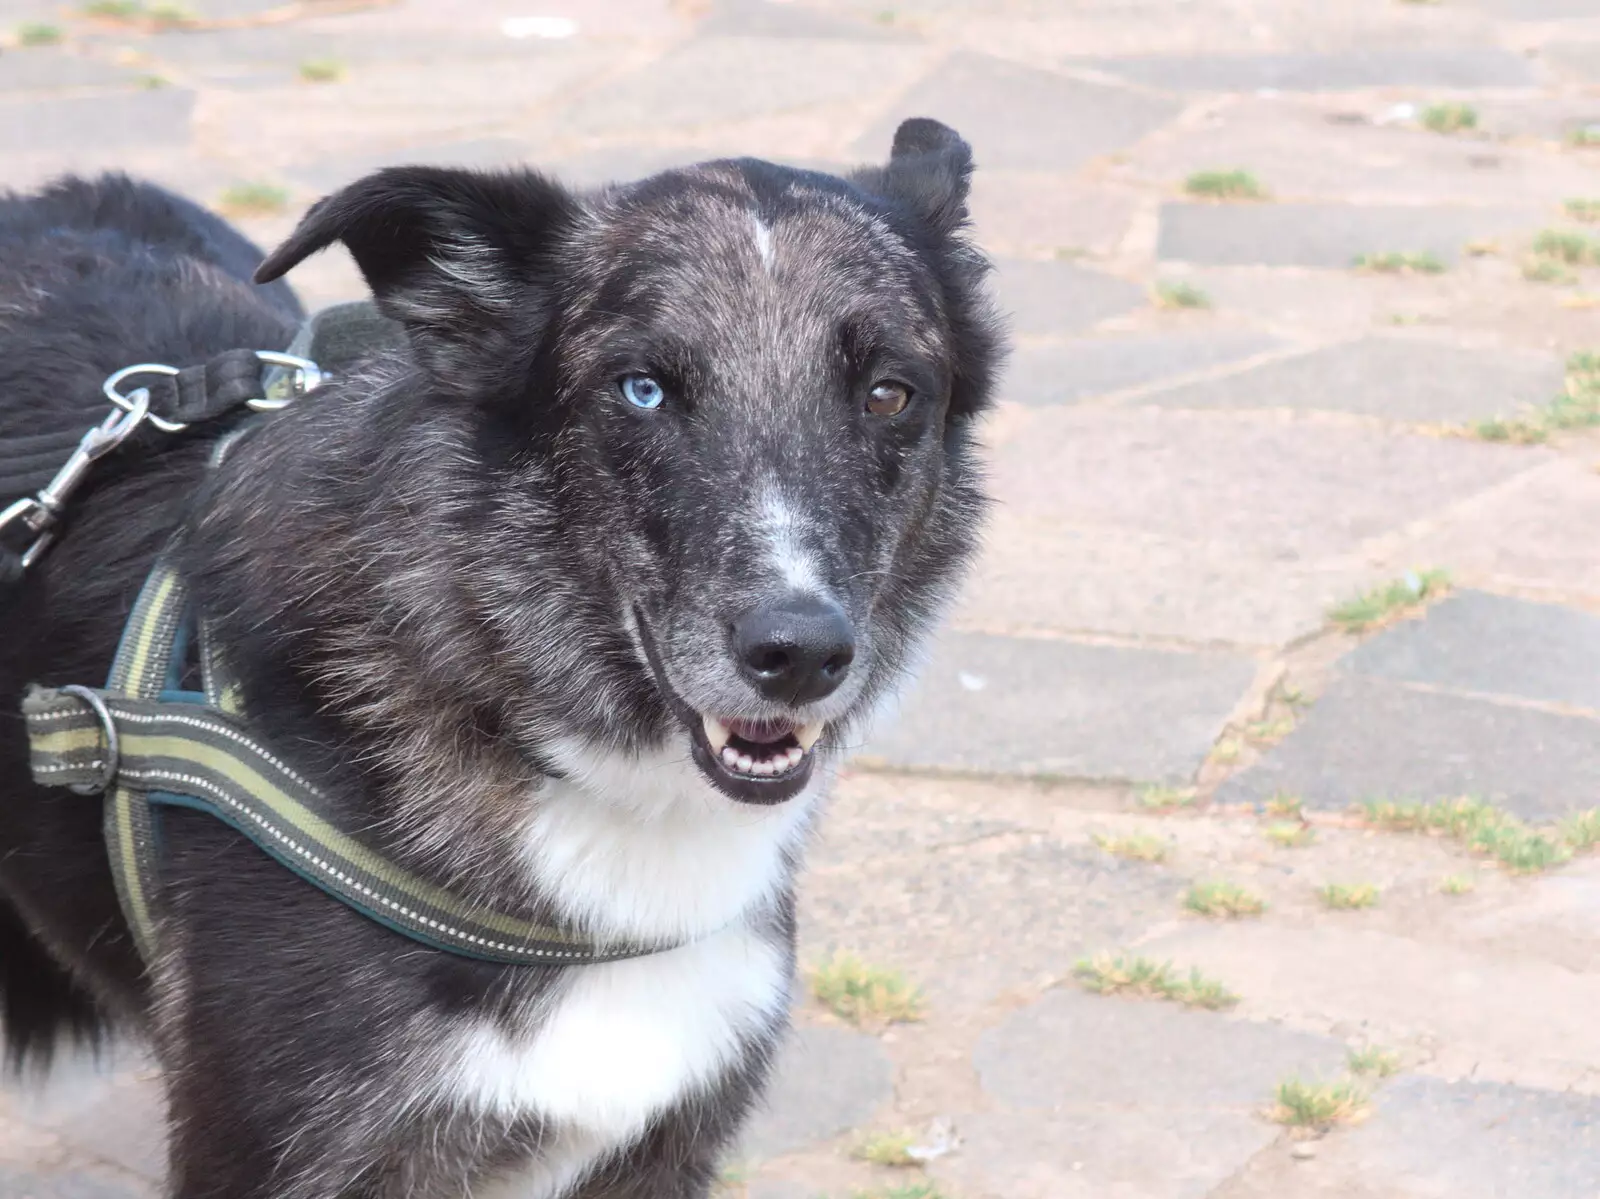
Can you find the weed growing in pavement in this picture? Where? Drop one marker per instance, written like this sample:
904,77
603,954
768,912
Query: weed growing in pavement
253,199
1180,295
863,994
1449,118
1348,897
1237,184
1319,1105
1127,974
1392,599
1138,847
1373,1060
1400,262
1223,900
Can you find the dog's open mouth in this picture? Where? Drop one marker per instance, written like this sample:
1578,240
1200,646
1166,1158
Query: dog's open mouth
757,761
759,749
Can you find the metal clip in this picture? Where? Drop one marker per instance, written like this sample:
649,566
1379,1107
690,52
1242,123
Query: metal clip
126,402
301,375
40,513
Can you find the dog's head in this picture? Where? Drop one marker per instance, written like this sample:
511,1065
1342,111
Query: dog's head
747,392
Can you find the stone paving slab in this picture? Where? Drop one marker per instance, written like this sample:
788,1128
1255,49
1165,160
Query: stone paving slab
1533,534
982,97
1368,738
1474,641
1085,367
1058,297
718,80
1039,213
1399,378
766,18
1051,707
78,1183
86,125
1476,1140
1327,235
826,1081
1040,574
1399,978
51,69
1296,487
1303,149
1112,1096
1453,67
334,171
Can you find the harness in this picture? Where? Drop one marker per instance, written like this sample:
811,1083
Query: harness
147,744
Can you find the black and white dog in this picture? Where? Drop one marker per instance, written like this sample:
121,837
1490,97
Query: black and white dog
575,606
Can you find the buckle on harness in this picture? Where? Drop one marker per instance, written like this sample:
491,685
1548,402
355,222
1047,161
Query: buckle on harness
108,728
304,376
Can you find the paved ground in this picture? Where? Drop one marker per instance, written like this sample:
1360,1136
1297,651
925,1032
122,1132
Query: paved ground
1184,493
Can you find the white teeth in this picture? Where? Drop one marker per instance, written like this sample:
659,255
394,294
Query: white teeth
717,733
807,735
794,755
767,768
745,764
730,757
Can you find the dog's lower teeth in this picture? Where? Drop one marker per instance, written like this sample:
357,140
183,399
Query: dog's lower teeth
794,755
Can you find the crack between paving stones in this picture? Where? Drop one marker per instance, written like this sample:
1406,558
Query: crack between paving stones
1550,707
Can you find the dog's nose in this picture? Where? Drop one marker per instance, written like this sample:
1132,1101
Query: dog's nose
796,650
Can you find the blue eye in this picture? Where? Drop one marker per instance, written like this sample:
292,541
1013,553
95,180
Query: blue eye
641,391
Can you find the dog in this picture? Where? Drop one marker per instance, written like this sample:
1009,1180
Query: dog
573,605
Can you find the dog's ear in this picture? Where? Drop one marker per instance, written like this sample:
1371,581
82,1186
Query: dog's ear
460,258
929,173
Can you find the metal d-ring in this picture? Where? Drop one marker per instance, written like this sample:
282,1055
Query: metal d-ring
108,726
126,403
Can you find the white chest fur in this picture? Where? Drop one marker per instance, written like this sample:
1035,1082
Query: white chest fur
635,848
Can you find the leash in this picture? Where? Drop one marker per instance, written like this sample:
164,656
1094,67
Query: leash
147,744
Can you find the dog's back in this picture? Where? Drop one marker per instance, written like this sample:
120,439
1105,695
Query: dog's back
94,275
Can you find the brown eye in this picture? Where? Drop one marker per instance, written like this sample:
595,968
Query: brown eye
888,399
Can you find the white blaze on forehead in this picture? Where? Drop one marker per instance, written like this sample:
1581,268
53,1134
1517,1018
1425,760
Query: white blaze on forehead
782,530
763,240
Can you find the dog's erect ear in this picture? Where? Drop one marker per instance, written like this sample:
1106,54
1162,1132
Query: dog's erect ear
929,172
457,257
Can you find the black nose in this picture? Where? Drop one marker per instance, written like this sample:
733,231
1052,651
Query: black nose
796,650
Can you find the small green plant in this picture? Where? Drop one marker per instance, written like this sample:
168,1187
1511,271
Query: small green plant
886,1148
908,1190
171,16
1138,847
1269,731
152,83
1457,884
1584,136
1237,184
864,994
322,70
1392,599
1319,1105
1348,897
1166,799
1289,834
1227,749
1180,295
1449,118
1287,807
114,10
1481,827
1400,262
1122,974
1546,270
253,199
1585,210
1222,900
1378,1062
1581,830
1564,245
35,33
1482,247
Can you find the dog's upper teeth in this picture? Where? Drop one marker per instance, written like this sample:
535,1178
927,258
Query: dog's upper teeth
807,734
717,733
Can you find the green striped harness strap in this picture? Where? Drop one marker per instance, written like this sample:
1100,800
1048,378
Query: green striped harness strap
147,745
